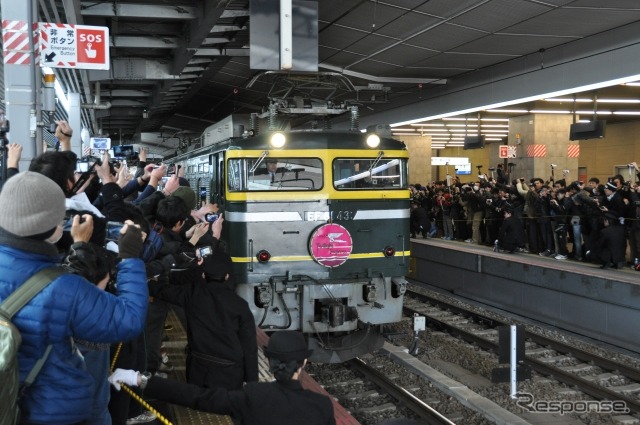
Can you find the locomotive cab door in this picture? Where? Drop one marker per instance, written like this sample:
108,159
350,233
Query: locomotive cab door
217,178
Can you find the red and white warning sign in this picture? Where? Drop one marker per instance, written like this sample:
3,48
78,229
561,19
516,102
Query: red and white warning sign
508,151
74,46
15,42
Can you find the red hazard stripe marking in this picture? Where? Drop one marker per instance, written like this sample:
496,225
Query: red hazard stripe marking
573,151
14,25
537,151
15,40
13,58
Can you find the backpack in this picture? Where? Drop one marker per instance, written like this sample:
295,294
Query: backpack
10,340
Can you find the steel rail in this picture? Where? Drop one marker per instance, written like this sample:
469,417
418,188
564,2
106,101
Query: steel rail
585,386
417,406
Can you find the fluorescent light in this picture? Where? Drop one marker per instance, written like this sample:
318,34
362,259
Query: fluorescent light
495,119
618,100
459,119
508,111
403,129
494,138
591,112
568,99
626,113
495,126
437,147
493,107
549,111
428,125
406,134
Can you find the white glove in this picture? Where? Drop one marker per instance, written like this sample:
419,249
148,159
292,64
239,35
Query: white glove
124,376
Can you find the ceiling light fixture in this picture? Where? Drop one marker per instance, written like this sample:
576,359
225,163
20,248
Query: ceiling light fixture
569,99
549,111
494,107
508,111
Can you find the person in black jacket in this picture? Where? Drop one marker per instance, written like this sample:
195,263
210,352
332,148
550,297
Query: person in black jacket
511,235
281,402
221,330
418,220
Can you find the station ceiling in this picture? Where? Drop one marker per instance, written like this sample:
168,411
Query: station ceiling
177,66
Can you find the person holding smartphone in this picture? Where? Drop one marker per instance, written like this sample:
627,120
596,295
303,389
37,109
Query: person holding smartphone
221,331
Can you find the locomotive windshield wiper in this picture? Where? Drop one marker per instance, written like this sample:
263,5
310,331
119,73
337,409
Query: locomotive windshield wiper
370,173
375,162
259,161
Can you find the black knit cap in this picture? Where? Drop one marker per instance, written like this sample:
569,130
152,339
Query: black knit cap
287,345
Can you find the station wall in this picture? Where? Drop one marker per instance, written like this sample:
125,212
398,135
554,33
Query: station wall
601,158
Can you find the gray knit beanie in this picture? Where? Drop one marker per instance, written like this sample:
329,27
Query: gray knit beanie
187,195
31,204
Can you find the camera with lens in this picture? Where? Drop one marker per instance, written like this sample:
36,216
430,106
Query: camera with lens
204,251
210,217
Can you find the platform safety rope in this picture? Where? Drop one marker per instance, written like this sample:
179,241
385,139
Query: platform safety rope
135,396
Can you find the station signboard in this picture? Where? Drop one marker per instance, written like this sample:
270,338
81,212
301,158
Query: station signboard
74,46
508,151
441,160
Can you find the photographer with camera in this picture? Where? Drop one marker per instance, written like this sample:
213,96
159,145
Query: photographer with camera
559,204
474,203
222,347
32,208
61,168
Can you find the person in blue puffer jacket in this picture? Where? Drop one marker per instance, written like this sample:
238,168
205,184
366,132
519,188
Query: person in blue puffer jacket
32,209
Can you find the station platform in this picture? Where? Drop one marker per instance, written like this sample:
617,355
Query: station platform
178,415
578,297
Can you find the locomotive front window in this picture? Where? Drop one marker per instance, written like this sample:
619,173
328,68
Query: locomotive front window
282,174
370,173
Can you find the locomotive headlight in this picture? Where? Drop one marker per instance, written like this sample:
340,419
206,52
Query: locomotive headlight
389,251
263,256
373,140
278,140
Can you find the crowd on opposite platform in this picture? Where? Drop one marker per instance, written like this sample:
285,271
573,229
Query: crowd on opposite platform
592,221
125,251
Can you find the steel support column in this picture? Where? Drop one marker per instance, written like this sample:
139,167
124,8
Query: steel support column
19,76
75,121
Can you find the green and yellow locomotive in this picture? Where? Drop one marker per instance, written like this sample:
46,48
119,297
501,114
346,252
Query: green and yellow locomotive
317,224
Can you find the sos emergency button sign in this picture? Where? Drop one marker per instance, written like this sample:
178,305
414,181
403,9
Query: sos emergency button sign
74,46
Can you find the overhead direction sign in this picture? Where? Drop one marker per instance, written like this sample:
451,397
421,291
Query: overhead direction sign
74,46
440,160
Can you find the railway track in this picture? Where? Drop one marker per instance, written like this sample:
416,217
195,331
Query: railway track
375,389
595,375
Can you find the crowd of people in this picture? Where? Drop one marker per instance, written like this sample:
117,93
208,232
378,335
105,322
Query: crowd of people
593,221
127,248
